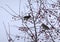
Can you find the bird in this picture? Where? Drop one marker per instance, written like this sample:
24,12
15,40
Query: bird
26,17
45,27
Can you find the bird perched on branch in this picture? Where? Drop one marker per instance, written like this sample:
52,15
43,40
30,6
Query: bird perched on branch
45,27
26,17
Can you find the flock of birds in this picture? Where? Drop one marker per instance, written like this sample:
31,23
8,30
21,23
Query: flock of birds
45,27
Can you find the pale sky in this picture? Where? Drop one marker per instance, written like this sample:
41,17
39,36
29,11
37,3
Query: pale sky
6,17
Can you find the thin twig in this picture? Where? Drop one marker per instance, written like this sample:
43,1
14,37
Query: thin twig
7,11
11,9
5,30
19,6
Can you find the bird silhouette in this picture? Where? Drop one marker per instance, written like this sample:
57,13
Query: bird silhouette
45,27
27,17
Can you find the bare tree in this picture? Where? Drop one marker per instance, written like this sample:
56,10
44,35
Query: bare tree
40,20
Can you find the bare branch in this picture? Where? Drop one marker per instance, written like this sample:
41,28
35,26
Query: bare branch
11,9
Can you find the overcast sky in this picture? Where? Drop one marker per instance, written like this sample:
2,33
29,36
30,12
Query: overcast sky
6,18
